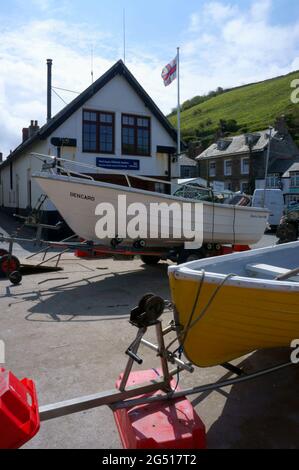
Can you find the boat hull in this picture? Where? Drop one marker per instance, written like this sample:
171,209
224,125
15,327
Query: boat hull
221,223
235,314
239,320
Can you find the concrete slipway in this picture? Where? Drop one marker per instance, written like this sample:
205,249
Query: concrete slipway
69,330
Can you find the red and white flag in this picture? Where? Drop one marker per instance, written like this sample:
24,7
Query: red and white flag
169,73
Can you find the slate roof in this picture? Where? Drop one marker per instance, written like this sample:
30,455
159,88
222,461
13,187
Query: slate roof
293,167
237,145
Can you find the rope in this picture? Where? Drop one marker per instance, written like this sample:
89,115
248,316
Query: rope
191,324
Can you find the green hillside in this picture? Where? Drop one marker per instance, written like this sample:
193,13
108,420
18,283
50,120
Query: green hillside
244,109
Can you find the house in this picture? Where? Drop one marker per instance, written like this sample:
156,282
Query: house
240,161
113,124
188,167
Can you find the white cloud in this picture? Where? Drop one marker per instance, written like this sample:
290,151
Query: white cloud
194,22
42,4
223,46
239,46
23,54
218,12
260,10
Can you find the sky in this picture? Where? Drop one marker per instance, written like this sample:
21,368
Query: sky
223,43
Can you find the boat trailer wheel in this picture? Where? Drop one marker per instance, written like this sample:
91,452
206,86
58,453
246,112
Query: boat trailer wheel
15,277
139,244
9,264
149,309
115,242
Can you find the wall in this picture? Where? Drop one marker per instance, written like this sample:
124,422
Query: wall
119,97
234,179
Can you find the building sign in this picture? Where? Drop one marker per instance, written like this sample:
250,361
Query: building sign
63,142
118,163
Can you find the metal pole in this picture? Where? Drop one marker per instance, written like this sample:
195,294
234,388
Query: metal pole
49,90
267,164
163,356
179,104
124,31
141,332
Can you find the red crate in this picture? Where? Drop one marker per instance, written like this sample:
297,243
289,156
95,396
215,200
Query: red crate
19,417
171,424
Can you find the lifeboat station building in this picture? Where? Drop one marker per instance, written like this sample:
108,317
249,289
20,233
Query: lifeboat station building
113,125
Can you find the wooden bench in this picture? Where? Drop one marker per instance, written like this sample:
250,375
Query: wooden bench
268,271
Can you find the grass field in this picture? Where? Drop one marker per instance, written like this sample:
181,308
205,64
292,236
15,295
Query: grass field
253,107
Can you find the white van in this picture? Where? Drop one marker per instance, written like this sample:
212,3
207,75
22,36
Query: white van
273,200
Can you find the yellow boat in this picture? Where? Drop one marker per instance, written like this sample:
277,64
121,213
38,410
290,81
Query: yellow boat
232,305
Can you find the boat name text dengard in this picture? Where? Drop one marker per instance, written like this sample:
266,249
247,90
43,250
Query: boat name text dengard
82,196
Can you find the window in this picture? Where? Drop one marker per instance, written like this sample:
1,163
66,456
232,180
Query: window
228,185
244,187
274,181
188,171
212,169
295,179
245,166
98,132
228,168
135,135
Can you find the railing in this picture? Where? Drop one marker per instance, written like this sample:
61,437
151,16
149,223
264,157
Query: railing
56,163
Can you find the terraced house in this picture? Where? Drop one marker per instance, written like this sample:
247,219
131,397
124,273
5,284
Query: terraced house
240,161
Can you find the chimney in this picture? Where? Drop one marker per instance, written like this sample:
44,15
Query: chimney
49,90
32,129
281,125
25,133
1,157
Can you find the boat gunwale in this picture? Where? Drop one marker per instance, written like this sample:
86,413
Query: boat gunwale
72,179
187,271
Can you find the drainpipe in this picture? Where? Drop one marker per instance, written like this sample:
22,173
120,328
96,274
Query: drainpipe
49,90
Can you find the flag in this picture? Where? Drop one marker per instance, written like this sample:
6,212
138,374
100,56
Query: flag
169,73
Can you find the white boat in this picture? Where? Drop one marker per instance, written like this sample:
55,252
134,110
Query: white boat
77,197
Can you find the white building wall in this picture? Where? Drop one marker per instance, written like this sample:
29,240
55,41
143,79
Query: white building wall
116,96
119,97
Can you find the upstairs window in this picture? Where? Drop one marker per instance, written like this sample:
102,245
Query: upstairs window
136,135
98,132
212,169
295,179
228,168
245,166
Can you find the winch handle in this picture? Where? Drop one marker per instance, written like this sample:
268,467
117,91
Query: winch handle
134,356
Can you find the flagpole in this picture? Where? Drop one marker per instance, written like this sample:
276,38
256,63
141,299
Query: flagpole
179,105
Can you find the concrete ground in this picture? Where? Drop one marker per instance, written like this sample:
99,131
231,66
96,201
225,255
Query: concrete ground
69,330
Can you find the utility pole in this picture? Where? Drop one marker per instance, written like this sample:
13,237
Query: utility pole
267,165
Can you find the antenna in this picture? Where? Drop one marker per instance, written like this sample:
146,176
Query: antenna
124,28
92,64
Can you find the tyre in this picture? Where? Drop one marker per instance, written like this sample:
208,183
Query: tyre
186,256
9,264
150,260
15,277
3,252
